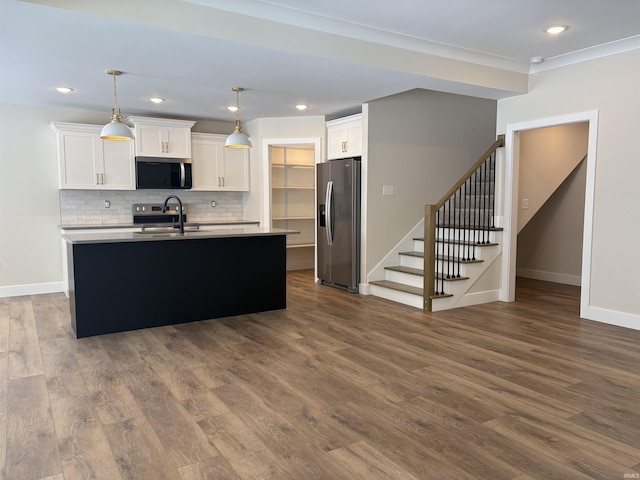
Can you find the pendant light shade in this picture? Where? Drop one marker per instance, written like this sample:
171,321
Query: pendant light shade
115,130
237,139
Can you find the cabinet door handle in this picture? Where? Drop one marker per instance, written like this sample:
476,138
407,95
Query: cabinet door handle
97,179
222,181
102,179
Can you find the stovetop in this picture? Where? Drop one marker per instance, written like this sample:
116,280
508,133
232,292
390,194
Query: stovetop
151,213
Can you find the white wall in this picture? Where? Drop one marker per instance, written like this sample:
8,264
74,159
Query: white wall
610,85
550,245
420,142
29,207
547,157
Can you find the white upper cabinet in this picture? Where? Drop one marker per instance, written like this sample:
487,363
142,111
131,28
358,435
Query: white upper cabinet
216,168
87,162
159,137
344,137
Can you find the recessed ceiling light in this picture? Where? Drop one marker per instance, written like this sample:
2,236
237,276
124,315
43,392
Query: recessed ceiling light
555,29
536,60
156,99
233,108
64,89
302,107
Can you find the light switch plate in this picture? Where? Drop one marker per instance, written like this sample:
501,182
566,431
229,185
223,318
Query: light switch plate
525,204
387,190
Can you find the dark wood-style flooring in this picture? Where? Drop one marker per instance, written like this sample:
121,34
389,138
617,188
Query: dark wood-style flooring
338,386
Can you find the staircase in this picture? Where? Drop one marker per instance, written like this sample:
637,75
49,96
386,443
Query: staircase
464,244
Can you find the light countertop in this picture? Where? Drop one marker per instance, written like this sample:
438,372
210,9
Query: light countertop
237,231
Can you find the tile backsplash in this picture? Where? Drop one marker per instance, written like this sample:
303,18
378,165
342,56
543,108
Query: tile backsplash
87,207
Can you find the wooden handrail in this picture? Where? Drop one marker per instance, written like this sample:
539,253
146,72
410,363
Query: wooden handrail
497,144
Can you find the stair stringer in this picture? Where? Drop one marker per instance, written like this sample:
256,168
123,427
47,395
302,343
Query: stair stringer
461,291
406,243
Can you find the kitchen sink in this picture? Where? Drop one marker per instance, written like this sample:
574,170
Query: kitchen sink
189,233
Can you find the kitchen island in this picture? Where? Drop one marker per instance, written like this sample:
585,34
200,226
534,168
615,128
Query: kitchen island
131,280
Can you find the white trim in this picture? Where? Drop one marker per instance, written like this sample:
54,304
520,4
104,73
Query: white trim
31,289
476,298
549,276
586,54
511,207
612,317
266,177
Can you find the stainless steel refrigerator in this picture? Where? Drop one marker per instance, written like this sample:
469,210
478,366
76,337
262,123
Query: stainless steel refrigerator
338,237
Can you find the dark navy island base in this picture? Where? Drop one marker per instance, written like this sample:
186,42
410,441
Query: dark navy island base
127,285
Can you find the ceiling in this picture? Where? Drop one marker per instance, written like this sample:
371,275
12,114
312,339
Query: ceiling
333,55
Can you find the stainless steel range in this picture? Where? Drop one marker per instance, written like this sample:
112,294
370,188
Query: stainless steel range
150,215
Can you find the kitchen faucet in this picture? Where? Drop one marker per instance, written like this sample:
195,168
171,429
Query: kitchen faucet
180,217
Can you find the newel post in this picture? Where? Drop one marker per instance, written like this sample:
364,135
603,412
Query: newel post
429,255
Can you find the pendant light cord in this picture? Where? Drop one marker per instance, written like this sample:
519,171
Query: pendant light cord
237,110
116,111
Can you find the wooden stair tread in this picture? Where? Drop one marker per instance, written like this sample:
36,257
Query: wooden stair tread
420,272
471,227
411,271
458,242
399,286
440,257
442,295
442,276
471,244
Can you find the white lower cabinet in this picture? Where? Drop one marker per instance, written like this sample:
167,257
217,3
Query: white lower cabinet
216,168
87,162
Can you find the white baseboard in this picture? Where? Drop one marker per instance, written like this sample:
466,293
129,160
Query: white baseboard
549,276
31,289
612,317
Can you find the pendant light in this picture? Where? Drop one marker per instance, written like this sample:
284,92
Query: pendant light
237,139
115,130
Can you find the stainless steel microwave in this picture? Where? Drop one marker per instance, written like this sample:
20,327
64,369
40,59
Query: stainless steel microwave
163,173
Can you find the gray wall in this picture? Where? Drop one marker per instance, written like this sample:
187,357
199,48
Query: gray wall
550,245
420,142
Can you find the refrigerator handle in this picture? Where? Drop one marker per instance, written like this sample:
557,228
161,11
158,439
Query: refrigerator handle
327,214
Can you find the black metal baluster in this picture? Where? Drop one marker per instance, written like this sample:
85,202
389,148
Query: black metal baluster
437,278
456,234
467,216
475,212
493,185
448,243
483,167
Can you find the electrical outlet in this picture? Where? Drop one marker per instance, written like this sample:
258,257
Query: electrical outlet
107,204
525,204
387,190
213,203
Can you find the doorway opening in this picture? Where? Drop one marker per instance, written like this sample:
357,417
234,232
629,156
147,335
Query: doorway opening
290,194
513,140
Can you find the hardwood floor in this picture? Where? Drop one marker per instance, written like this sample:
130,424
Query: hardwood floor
338,386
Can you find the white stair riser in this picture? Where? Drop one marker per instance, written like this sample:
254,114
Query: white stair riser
418,245
404,278
397,296
411,261
457,250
